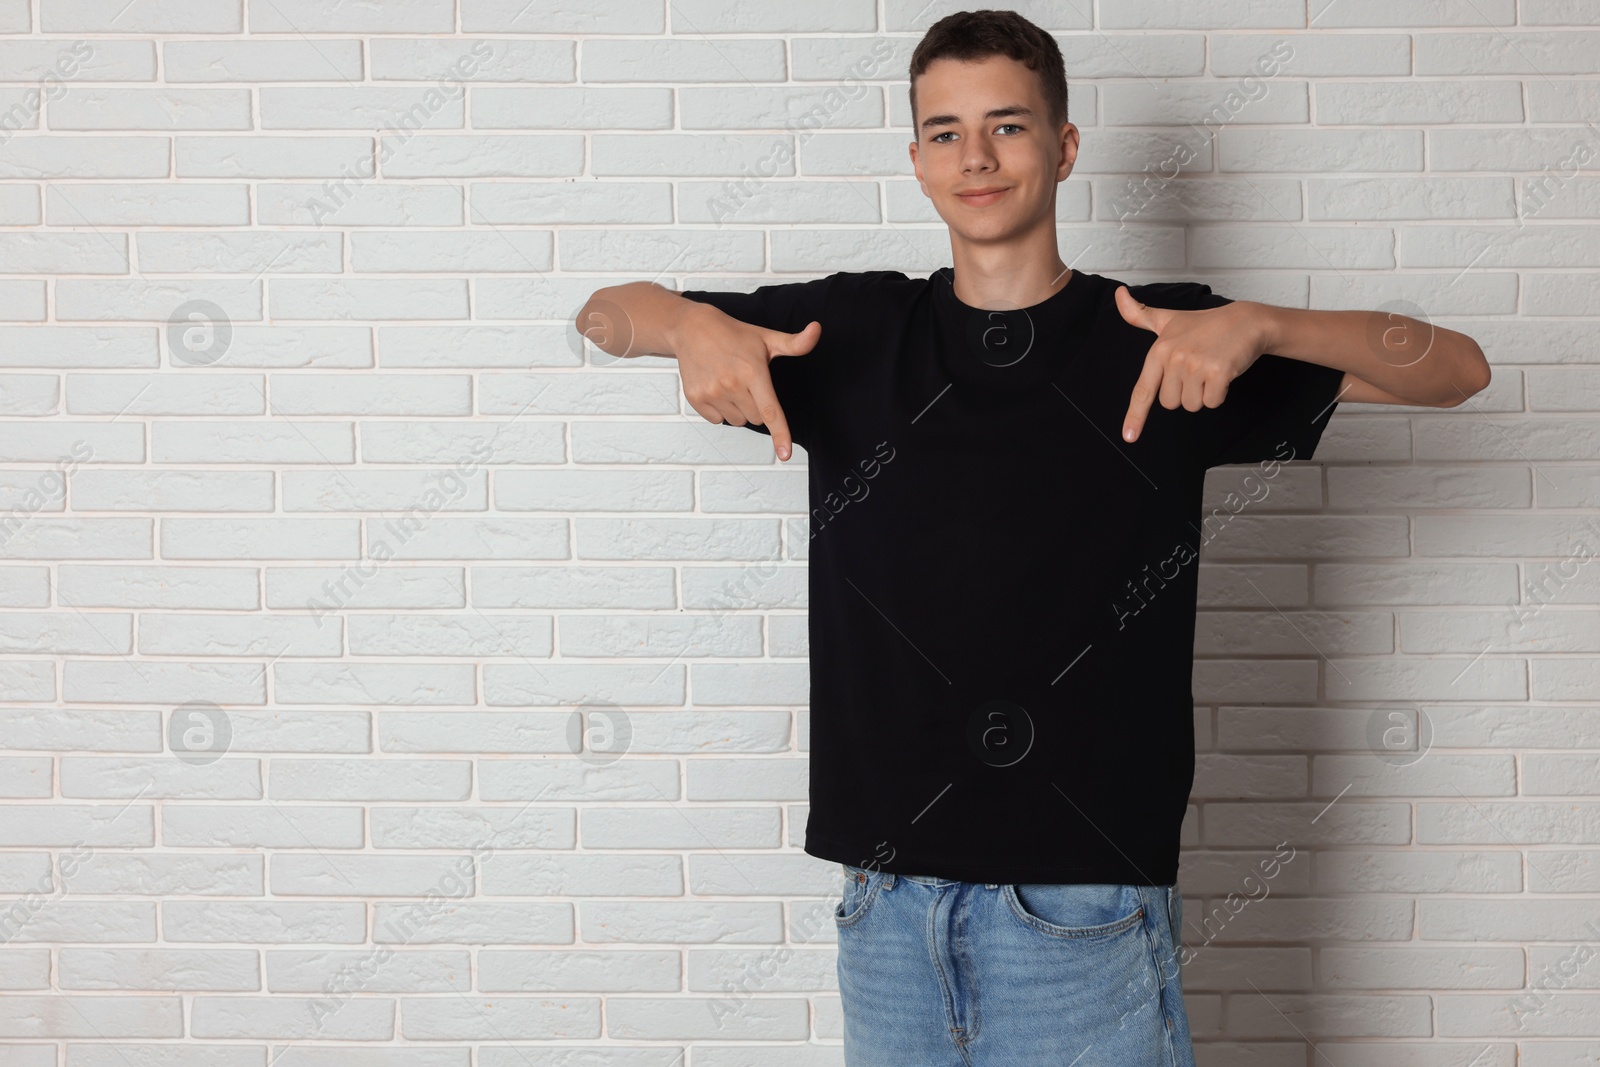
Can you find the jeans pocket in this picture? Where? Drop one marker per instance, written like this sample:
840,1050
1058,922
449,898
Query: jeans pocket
860,889
1062,909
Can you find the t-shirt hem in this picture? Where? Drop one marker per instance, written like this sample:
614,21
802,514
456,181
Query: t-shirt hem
1132,871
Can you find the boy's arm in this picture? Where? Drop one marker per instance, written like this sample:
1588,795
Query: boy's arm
1355,390
722,361
1387,358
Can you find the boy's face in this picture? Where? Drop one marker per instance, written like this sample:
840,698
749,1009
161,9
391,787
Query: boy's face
971,137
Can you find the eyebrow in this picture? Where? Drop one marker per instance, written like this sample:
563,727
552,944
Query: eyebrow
1015,110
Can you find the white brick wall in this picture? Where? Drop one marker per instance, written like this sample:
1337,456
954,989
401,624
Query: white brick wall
353,525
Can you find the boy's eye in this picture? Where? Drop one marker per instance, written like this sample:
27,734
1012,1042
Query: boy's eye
1004,125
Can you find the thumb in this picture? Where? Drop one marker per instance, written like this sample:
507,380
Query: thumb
794,344
1133,311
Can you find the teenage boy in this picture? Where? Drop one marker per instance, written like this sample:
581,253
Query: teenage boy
1003,554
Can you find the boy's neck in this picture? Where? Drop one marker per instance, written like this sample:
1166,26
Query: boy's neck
1004,277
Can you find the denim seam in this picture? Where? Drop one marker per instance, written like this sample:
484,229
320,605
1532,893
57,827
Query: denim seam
1165,990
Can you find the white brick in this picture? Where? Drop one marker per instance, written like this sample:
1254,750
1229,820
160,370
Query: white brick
159,778
263,922
1279,150
448,827
388,779
1332,1015
1284,100
1330,14
366,299
585,108
1416,967
737,61
29,970
1412,103
450,635
1558,12
117,16
261,61
196,874
361,108
608,970
500,1018
307,874
165,394
240,253
223,970
91,1017
47,61
313,971
729,16
473,59
436,252
81,108
276,156
64,253
514,16
19,205
1162,14
478,923
1302,247
696,155
380,1056
146,204
15,17
345,202
469,156
358,1019
760,107
1309,55
1410,198
260,827
1563,152
351,16
1541,53
552,202
189,1055
686,1018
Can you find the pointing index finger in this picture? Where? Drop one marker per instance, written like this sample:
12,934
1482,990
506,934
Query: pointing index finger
772,417
1144,394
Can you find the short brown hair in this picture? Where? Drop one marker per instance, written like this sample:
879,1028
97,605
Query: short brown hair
968,35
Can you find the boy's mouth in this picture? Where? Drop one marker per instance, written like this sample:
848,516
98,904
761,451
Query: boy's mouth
980,197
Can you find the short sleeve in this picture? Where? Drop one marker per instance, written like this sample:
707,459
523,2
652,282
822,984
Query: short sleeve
1277,409
788,307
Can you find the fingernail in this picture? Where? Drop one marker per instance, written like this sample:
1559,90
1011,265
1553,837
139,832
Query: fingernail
1127,433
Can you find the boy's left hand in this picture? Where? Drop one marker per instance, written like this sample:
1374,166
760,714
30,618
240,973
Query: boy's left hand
1195,355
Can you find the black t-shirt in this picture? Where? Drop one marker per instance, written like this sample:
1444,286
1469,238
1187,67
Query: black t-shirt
1002,590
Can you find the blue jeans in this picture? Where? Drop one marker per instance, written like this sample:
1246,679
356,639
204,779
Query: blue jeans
941,973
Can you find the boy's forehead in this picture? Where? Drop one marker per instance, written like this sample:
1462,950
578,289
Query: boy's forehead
952,83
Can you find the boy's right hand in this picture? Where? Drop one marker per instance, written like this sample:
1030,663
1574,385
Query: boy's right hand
723,364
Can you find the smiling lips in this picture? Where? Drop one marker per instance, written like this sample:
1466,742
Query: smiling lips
980,197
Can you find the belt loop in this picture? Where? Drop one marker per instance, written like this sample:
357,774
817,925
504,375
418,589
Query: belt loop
888,879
